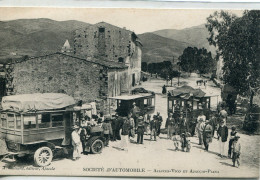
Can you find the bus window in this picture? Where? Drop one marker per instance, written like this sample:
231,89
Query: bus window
170,104
44,121
145,102
3,121
57,120
152,102
29,121
10,121
18,122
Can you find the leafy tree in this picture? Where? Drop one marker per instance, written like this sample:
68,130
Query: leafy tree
204,61
237,41
188,59
144,66
194,59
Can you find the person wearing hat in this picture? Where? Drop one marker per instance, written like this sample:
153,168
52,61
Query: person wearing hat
125,129
236,151
160,120
107,130
132,123
233,133
170,126
207,135
222,137
76,142
135,111
201,125
154,125
140,130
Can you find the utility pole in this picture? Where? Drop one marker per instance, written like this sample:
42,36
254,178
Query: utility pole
179,73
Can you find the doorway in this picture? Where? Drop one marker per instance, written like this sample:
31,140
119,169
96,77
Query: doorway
133,80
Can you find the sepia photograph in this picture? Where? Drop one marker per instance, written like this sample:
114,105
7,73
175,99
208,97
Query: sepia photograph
129,92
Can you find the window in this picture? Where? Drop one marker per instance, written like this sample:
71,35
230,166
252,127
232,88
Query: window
101,30
10,121
170,104
120,59
3,120
29,121
44,120
57,120
18,122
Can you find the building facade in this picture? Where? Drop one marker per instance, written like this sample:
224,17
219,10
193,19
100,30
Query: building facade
84,79
103,40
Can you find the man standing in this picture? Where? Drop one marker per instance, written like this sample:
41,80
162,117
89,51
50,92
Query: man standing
107,130
126,127
140,130
153,127
135,112
200,127
207,135
222,137
233,133
159,119
183,124
76,143
170,126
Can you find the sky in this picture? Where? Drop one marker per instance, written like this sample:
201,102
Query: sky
137,20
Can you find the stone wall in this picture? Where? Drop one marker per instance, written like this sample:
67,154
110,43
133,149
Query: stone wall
105,40
60,73
112,43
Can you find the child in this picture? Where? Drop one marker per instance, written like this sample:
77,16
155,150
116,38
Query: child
176,139
185,142
233,133
236,148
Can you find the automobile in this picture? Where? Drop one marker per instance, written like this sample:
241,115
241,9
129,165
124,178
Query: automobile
190,102
39,125
123,104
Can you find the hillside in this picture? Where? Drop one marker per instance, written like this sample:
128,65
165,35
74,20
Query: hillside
158,49
35,36
197,36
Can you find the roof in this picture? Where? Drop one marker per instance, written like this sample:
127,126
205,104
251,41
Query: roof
131,97
186,92
36,102
102,61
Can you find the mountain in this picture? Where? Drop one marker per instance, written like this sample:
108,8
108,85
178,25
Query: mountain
157,48
197,36
35,36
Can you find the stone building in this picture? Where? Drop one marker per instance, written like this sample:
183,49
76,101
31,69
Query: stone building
111,43
86,79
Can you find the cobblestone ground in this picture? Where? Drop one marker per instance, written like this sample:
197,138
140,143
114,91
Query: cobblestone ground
155,158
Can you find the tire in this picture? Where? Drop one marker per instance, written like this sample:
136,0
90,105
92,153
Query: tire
43,156
97,146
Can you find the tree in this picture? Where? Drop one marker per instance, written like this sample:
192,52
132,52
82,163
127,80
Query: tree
237,42
187,59
194,59
204,61
144,66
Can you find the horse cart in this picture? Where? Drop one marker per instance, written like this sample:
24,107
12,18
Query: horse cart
39,125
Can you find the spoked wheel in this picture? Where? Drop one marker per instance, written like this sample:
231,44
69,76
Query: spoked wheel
97,146
43,156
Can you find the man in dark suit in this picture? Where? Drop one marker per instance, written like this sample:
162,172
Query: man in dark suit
159,119
222,137
140,130
154,127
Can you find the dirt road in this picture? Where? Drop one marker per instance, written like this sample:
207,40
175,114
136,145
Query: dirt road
154,158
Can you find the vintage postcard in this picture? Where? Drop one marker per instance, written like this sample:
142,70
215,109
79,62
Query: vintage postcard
129,92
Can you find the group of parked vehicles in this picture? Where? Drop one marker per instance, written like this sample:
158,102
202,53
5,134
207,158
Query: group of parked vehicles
39,125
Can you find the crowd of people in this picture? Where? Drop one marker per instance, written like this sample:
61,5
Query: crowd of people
133,127
178,130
